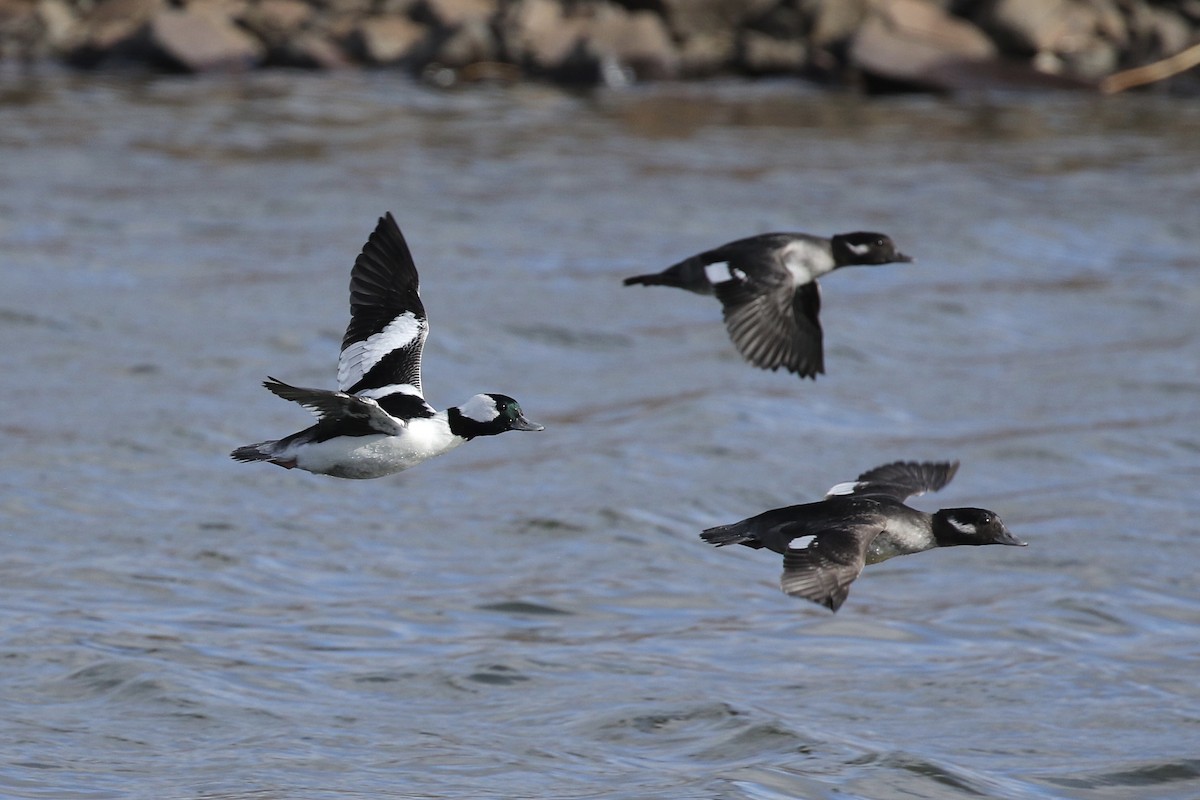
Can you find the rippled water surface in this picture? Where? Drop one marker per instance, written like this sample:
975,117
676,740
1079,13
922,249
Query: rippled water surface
533,615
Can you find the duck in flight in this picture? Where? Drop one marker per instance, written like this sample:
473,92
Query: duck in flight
767,285
377,421
826,544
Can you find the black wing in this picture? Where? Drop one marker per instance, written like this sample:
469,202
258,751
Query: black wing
773,322
820,567
899,480
383,343
336,409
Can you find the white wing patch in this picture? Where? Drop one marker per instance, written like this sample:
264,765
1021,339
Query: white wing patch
358,359
721,272
801,542
849,487
390,389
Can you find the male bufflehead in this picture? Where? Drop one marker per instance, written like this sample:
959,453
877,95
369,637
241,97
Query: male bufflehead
378,421
826,544
767,286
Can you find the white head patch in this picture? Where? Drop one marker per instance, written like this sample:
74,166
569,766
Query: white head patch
966,528
801,542
721,272
849,487
480,408
858,249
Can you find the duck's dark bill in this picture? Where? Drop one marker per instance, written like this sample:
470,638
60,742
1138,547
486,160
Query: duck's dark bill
522,424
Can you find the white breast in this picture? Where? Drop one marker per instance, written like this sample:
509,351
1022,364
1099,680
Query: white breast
806,261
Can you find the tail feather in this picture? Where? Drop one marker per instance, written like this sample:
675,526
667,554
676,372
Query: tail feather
730,534
261,451
657,279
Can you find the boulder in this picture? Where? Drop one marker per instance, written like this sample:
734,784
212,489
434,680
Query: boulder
636,41
112,29
203,40
689,18
276,22
762,54
470,42
390,40
916,43
453,13
539,34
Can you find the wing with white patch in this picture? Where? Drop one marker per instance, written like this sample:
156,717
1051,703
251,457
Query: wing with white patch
384,340
899,480
338,407
821,567
775,326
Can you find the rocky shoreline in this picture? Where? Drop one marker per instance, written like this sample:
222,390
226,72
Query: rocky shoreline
938,45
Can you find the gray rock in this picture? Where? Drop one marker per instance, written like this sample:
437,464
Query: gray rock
202,40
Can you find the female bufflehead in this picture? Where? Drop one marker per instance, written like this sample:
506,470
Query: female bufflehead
378,421
767,286
826,544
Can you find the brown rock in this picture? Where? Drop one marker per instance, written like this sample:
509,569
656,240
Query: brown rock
471,42
834,21
762,54
707,54
689,18
915,42
389,40
202,41
452,13
314,50
112,27
538,33
1031,25
60,26
637,41
276,21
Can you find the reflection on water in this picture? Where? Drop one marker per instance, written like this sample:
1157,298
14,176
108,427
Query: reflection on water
539,618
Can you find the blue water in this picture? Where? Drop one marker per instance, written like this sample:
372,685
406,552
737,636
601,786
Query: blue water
534,615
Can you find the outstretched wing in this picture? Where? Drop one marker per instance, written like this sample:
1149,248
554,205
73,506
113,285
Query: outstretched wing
339,408
899,480
771,318
820,567
383,342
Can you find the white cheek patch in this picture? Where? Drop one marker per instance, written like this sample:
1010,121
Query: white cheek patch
358,359
721,272
965,528
480,408
849,487
859,249
801,542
